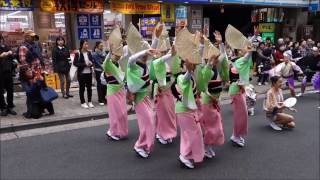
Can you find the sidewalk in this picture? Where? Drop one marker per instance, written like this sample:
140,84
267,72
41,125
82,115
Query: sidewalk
69,111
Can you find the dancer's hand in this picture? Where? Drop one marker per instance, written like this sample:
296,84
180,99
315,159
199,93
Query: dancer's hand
158,31
218,36
173,50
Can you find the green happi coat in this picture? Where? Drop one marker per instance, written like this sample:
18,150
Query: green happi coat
110,68
243,67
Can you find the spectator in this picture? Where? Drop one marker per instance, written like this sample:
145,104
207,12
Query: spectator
263,64
61,64
303,48
268,42
6,80
32,83
29,51
288,42
278,54
84,61
98,56
296,50
309,66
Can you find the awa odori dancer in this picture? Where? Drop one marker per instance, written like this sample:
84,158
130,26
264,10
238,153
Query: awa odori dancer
213,75
138,83
241,69
191,137
161,73
237,93
116,93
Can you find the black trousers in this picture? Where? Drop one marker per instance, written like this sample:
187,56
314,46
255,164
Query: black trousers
263,77
65,77
101,89
6,84
85,82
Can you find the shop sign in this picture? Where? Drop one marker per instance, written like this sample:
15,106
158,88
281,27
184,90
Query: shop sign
95,33
95,19
181,16
83,19
267,27
167,12
16,5
13,39
196,15
76,6
135,7
266,35
83,33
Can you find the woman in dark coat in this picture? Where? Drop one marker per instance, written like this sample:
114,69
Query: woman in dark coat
32,82
61,65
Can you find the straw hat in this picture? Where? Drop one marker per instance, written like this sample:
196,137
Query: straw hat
115,39
187,46
235,38
134,40
209,49
164,42
29,33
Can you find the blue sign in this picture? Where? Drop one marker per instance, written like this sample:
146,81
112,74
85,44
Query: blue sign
96,33
83,19
313,7
95,19
83,33
181,12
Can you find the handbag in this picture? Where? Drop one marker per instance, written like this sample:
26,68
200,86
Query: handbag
48,94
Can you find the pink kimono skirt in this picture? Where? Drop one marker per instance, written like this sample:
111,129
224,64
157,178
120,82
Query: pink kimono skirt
145,118
240,115
166,125
211,123
191,139
118,116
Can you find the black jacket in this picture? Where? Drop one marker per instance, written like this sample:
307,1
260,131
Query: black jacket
60,59
6,63
81,63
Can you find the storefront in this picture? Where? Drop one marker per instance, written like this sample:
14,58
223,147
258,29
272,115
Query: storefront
14,19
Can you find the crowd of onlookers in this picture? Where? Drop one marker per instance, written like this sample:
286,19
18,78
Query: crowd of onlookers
30,62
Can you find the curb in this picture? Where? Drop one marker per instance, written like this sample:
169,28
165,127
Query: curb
62,121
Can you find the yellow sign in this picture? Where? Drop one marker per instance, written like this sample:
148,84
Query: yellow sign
167,12
88,6
267,27
135,7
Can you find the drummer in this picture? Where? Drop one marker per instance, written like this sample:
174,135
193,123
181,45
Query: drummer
275,107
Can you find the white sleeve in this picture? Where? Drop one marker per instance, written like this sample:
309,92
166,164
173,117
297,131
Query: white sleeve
296,67
166,58
187,75
135,57
247,56
154,43
222,53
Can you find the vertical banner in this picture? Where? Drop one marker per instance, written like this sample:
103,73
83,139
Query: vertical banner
181,16
167,13
196,19
206,27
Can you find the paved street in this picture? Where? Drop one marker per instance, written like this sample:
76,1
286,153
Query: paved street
86,154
